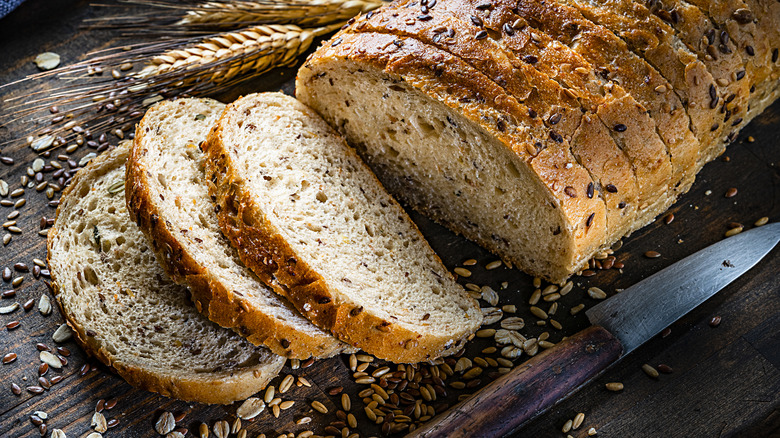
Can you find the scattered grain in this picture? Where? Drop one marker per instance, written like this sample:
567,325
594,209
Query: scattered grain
166,423
463,272
614,386
650,371
652,254
596,293
250,409
763,221
319,407
493,265
733,232
715,321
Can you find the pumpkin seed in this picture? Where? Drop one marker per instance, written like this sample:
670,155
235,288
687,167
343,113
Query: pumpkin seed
62,334
50,359
47,60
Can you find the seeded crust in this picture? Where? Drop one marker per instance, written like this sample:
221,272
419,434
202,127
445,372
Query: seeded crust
265,231
583,113
127,313
186,238
447,80
655,40
610,55
757,41
558,109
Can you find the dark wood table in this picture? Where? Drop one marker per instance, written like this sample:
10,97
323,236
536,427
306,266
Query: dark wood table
725,379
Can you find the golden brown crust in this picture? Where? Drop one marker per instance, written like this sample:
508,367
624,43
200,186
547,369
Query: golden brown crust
449,80
266,251
225,307
610,55
218,389
650,160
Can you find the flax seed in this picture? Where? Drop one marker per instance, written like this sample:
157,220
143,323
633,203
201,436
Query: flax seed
652,254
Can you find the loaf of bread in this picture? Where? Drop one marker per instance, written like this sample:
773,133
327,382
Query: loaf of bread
127,313
545,130
168,197
309,217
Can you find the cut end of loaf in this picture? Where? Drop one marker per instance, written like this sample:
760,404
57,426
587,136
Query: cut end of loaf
312,220
432,155
124,309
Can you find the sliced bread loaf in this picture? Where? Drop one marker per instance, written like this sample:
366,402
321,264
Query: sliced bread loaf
127,313
168,197
312,221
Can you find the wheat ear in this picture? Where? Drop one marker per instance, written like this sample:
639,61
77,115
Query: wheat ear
225,56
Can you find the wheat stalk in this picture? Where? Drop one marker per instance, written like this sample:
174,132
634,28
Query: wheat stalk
303,13
193,68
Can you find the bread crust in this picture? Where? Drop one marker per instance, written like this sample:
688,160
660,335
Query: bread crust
265,250
220,388
562,109
449,80
221,305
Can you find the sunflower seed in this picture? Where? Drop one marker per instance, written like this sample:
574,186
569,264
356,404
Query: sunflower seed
346,402
486,333
566,426
99,422
576,309
509,308
50,359
471,374
3,188
614,386
535,297
491,315
489,295
44,305
762,221
58,433
287,404
62,334
650,371
250,409
221,429
9,309
463,272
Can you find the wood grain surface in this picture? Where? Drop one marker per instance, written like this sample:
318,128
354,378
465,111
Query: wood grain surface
725,379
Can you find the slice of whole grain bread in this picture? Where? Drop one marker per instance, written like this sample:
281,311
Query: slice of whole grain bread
127,313
168,197
309,217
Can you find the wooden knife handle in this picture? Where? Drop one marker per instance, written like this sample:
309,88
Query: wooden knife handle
529,389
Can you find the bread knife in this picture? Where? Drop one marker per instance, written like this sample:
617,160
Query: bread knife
620,325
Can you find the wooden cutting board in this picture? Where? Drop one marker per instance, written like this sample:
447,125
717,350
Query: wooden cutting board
725,379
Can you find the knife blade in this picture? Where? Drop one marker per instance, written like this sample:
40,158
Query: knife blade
621,324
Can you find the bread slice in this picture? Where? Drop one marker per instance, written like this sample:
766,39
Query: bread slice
127,313
449,142
312,220
168,197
